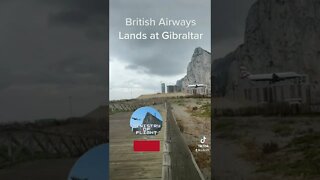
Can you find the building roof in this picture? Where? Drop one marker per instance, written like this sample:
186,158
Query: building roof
283,75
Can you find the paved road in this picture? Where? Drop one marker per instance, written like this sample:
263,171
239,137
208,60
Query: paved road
182,163
124,162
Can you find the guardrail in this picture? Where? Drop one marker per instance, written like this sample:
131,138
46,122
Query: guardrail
132,105
18,145
179,162
166,165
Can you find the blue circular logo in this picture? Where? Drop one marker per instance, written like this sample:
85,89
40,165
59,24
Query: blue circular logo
146,121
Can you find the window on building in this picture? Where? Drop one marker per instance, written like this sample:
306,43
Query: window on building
270,95
258,94
275,93
299,91
265,94
245,93
292,91
249,94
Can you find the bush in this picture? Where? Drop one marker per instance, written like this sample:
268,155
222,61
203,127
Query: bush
271,147
282,130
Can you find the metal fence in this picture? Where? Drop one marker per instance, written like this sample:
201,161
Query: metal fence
180,163
18,145
132,105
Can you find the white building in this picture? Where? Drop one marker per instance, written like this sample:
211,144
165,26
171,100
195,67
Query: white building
199,89
288,87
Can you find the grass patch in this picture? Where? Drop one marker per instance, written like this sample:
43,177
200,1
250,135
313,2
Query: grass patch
282,130
224,125
301,157
225,129
228,135
180,102
270,147
252,151
199,102
202,111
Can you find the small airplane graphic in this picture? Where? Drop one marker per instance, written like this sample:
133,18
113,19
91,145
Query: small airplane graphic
271,77
275,77
196,85
136,119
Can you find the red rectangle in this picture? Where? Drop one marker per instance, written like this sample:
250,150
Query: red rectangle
146,146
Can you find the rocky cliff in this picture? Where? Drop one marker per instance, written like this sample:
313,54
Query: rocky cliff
199,69
280,35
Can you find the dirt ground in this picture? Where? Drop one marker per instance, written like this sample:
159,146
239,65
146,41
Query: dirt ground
266,148
194,124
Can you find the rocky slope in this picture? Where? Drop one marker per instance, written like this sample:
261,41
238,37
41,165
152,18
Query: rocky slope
280,35
199,69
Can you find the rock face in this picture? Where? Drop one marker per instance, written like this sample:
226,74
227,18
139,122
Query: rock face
280,36
199,69
151,119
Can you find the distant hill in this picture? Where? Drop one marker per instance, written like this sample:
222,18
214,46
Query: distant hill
199,69
280,36
100,112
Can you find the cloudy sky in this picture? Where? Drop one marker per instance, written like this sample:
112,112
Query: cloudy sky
138,66
53,49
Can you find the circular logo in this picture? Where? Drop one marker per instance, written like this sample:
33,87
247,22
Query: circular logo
94,164
146,121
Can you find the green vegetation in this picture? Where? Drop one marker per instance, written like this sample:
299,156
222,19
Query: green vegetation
282,130
252,151
284,146
300,157
203,111
224,125
270,147
307,150
180,102
199,102
225,129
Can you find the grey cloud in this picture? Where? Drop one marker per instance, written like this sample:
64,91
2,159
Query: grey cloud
70,18
51,49
91,17
78,65
158,57
158,66
74,71
85,7
42,61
